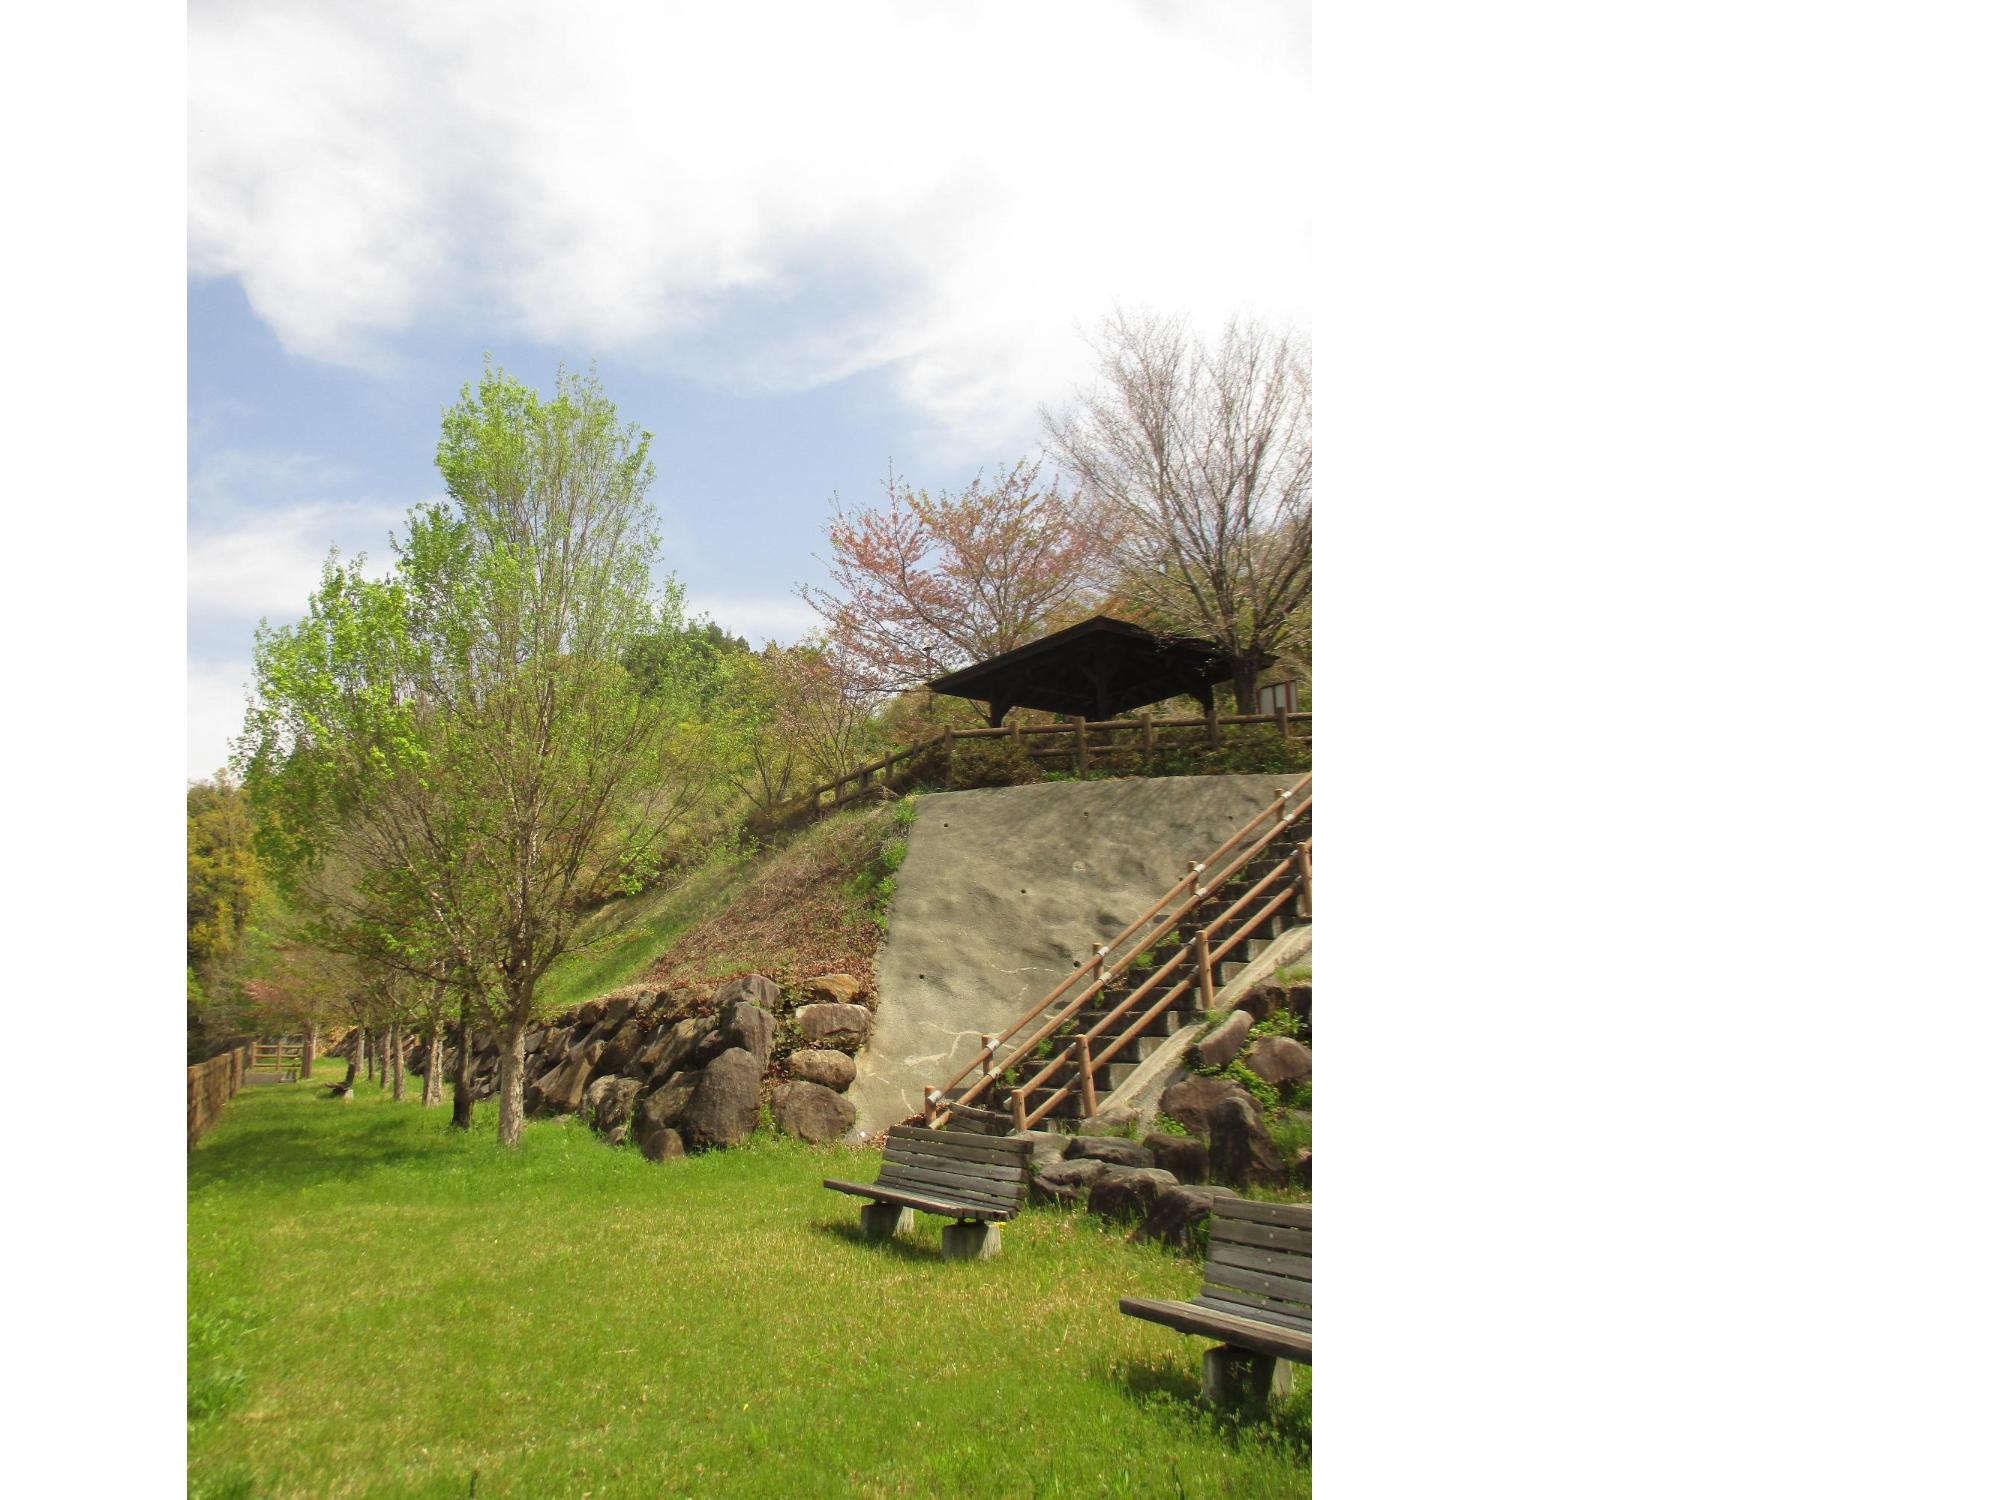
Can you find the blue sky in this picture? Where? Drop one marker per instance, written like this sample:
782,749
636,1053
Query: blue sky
798,242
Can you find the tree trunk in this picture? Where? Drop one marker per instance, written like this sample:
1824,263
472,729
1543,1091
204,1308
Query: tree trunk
353,1065
434,1065
461,1071
513,1060
312,1046
396,1061
367,1057
1243,672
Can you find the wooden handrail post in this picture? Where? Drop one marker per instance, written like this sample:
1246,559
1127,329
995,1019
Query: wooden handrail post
1020,1112
1089,1079
1305,859
986,1056
1082,745
1204,969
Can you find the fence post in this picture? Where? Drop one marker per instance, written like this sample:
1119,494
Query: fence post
1205,969
1089,1081
1082,745
950,752
1214,728
1284,722
1146,735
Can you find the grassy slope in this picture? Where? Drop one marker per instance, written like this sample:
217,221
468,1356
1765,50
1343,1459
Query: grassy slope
378,1306
789,909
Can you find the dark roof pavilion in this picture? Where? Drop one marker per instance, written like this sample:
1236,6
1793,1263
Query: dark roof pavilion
1096,668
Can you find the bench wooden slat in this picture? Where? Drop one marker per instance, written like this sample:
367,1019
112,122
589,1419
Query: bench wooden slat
1270,1262
1281,1288
1284,1215
999,1150
1263,1236
1242,1333
991,1171
940,1206
1250,1305
944,1185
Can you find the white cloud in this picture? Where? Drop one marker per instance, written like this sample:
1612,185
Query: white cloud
759,618
216,695
767,196
257,533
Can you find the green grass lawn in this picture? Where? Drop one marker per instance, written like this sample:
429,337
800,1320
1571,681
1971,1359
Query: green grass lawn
380,1306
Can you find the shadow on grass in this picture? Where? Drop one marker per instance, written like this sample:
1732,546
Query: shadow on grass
899,1247
1172,1387
282,1154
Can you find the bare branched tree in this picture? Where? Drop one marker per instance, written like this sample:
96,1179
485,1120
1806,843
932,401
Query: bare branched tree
1203,453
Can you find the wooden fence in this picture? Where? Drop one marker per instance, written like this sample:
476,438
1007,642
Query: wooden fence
1139,743
211,1085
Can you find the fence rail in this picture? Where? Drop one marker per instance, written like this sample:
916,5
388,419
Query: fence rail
211,1085
1077,742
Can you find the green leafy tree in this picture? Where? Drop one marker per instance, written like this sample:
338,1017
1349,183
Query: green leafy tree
453,761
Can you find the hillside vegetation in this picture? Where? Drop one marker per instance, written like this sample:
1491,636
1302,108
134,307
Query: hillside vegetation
812,905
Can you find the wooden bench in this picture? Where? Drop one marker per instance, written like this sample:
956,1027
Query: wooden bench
979,1181
1256,1297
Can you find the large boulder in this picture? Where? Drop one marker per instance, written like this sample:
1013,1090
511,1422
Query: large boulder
1109,1148
744,1025
1240,1150
755,988
667,1103
560,1090
1183,1155
620,1047
1046,1146
811,1112
1262,1002
662,1145
1064,1181
1192,1101
1225,1041
1128,1192
1177,1214
833,989
608,1106
1114,1121
823,1066
842,1026
1279,1061
666,1055
723,1110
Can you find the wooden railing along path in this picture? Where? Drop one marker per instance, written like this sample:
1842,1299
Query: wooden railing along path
211,1085
1272,867
1075,743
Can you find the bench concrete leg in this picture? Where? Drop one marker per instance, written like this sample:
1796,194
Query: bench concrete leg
1233,1377
881,1221
974,1241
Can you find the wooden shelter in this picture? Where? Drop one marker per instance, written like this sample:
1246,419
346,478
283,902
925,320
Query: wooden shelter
1094,669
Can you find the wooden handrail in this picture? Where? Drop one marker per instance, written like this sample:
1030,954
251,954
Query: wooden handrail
1203,876
1094,1058
1188,886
